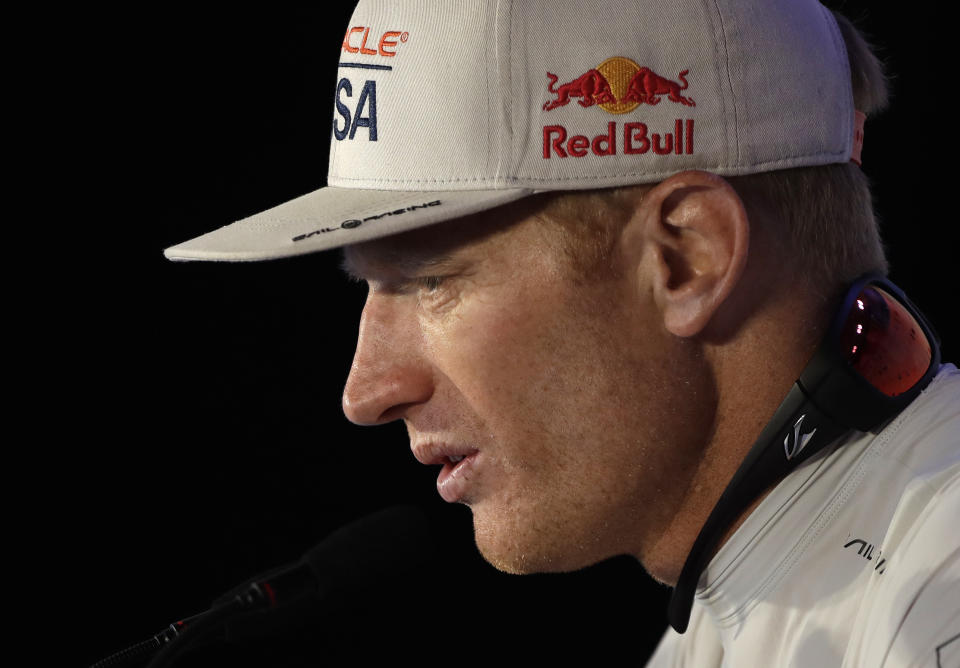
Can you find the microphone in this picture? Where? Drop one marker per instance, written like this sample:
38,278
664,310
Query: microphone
372,549
378,546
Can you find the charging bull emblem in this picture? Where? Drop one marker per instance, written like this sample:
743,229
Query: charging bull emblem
592,88
647,86
618,85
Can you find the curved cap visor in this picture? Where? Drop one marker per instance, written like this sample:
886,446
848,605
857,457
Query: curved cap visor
332,217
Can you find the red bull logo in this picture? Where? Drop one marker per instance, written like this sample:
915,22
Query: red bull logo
637,139
618,85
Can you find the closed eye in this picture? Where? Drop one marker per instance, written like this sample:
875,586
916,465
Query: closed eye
437,294
431,283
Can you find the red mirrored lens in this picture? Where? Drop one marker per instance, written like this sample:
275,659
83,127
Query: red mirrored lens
884,343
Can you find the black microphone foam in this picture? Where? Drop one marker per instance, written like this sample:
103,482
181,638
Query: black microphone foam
390,542
375,551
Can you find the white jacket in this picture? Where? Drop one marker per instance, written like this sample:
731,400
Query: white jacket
853,560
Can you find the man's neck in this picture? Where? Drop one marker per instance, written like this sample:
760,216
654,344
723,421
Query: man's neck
754,371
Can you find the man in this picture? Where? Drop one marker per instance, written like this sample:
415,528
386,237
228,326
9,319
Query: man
645,239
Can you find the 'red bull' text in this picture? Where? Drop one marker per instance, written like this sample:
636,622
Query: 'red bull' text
636,140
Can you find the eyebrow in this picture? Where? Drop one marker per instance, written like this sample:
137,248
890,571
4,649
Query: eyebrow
404,263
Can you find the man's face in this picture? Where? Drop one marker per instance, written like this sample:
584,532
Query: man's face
576,415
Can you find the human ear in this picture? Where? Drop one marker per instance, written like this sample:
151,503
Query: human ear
695,239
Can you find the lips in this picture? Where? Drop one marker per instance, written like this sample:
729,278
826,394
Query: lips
458,462
454,478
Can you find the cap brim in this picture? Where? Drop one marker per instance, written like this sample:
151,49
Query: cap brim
331,217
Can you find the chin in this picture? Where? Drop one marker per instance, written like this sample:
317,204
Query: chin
520,548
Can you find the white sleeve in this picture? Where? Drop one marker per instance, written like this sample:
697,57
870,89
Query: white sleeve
698,647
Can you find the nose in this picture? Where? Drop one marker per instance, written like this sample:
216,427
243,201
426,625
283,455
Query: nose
389,374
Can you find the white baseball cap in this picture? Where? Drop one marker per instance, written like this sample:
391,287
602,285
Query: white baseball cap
444,109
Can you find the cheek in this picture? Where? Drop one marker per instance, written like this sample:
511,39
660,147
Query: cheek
507,361
546,383
583,415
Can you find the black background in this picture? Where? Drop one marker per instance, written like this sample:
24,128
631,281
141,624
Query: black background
190,413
